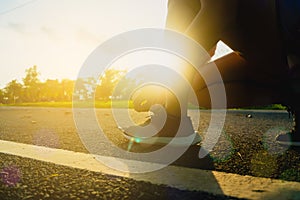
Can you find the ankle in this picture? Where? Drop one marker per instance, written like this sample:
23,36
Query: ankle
173,108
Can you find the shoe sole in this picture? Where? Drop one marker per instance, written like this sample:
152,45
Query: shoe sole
291,144
174,141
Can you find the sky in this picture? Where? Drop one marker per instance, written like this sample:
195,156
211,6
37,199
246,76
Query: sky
58,35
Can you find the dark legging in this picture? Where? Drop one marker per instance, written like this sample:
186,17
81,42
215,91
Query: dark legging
250,27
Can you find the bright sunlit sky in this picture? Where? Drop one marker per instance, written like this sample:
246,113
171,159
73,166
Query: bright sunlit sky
58,35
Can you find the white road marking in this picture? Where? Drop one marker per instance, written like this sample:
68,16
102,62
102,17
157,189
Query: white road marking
179,177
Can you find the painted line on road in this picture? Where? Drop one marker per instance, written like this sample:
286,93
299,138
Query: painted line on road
178,177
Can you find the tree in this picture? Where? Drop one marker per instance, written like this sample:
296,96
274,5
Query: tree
107,84
31,77
13,91
55,90
67,89
50,90
32,85
1,96
125,87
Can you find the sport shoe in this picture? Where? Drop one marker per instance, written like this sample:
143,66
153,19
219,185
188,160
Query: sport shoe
288,140
162,128
293,137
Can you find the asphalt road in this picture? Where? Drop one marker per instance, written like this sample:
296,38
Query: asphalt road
41,180
245,147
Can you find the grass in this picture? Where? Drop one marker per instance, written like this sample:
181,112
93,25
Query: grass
81,104
268,107
119,104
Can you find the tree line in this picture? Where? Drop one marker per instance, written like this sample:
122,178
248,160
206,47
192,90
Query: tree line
32,89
